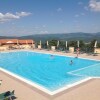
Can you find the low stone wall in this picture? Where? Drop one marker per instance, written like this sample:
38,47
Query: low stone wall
3,48
25,46
39,47
97,50
71,49
33,45
53,48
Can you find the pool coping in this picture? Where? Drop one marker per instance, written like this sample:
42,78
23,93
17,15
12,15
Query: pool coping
42,88
28,50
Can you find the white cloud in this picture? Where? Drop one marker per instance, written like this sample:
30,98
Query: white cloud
59,9
22,14
79,15
9,16
94,5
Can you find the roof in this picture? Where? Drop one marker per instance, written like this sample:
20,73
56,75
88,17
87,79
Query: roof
26,41
15,41
5,41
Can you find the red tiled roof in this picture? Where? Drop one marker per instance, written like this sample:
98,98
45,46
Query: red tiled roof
25,41
6,41
15,41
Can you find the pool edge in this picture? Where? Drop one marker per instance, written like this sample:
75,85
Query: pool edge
42,88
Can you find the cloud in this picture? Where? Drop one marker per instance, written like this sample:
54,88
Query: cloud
94,5
59,9
9,16
79,15
22,14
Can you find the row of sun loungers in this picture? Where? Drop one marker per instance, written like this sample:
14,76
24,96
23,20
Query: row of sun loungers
4,48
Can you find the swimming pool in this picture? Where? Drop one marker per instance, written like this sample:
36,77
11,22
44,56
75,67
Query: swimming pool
50,72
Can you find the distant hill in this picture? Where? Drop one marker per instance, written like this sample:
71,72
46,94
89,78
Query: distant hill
64,36
68,36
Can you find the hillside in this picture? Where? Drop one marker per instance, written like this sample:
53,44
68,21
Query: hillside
68,36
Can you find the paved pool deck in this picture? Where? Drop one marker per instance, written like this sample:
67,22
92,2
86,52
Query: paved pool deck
89,90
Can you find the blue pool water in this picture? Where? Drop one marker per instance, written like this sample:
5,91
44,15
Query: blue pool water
92,71
51,72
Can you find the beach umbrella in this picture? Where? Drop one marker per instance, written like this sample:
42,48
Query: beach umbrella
40,42
57,43
9,42
47,43
95,45
78,44
66,44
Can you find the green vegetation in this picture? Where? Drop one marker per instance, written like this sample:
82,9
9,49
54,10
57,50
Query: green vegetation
87,37
87,40
84,47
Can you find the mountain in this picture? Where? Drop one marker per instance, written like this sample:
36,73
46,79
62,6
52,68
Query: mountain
64,36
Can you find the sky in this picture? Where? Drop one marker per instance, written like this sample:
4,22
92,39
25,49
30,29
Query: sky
27,17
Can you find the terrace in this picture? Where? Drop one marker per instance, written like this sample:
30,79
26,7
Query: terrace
24,91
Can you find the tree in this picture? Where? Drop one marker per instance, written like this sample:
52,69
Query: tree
73,43
98,44
82,45
53,43
61,45
92,43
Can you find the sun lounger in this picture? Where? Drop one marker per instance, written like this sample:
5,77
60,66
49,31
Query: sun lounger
7,95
